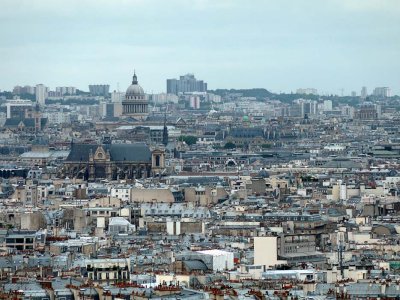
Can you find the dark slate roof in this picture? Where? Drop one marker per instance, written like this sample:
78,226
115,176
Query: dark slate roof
364,289
28,122
110,119
118,152
159,118
12,122
247,132
342,163
195,265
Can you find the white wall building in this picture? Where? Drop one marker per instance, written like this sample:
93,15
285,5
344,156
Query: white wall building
70,90
266,251
164,98
121,192
382,92
117,96
41,94
58,117
327,105
194,102
218,260
17,104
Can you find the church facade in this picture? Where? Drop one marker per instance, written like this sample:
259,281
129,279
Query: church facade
113,161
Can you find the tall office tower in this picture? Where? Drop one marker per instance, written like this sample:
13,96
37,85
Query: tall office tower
41,94
172,86
185,84
382,92
364,93
99,89
353,94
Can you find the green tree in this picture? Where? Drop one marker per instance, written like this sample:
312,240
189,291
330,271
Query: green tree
188,139
229,145
266,146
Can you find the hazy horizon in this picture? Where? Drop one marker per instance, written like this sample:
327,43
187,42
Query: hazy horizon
277,45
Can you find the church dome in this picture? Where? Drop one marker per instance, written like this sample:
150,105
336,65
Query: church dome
135,104
134,89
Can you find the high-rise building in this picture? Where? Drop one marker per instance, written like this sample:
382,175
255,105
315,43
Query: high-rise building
27,89
194,102
41,94
382,92
303,107
99,89
364,92
185,84
70,90
353,94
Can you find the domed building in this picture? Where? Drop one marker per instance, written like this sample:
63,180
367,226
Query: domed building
135,104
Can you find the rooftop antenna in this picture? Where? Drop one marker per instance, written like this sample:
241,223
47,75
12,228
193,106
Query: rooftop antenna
118,87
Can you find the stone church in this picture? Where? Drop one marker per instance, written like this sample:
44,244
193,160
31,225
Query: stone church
113,161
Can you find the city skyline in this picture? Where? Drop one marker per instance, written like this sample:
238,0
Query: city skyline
280,46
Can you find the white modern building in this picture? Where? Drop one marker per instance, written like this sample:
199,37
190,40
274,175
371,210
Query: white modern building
70,90
16,108
382,92
327,105
194,102
266,251
117,96
41,94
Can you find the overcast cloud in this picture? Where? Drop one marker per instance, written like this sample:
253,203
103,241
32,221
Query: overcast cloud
278,45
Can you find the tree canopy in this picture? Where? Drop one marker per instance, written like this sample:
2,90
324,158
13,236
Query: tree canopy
188,139
230,145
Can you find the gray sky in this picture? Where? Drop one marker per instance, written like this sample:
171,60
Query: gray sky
279,45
